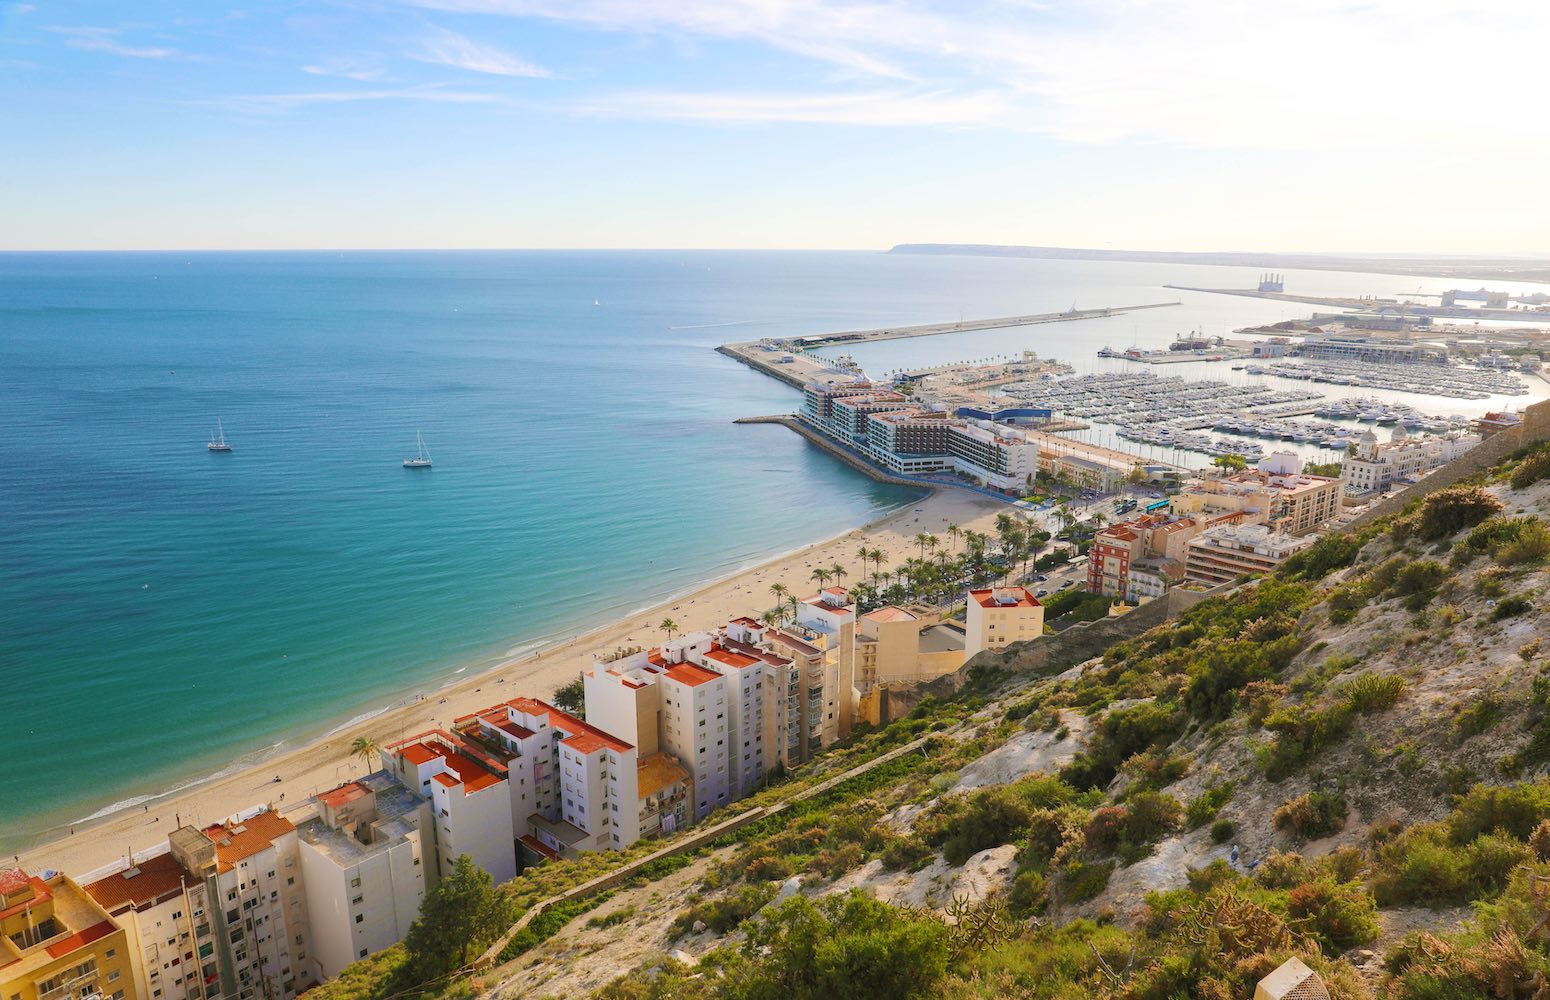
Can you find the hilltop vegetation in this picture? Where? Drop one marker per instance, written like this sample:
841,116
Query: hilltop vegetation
1346,761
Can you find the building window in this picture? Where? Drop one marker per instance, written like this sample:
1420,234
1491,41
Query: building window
360,918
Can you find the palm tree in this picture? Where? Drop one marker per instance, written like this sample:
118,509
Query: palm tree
821,575
669,626
779,590
920,540
953,531
770,618
863,554
792,603
839,573
364,747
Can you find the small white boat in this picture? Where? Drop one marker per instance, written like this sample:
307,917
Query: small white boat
422,457
218,439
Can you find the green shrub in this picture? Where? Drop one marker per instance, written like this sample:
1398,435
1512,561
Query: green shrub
1302,732
1369,693
834,862
1338,915
1513,809
906,853
1314,815
1314,563
963,825
1532,470
1447,512
1511,607
1423,866
1204,807
723,914
1479,716
1420,577
1030,894
1122,734
1082,881
1222,831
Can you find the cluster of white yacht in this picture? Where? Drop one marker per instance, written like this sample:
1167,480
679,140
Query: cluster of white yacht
1164,436
1436,380
1145,398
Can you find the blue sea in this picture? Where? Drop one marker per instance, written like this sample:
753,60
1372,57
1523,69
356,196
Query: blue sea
166,612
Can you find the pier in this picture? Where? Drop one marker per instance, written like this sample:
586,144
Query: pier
785,359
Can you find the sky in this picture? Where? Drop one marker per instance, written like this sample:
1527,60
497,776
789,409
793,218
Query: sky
1303,125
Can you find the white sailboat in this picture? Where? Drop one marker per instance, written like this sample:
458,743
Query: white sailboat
218,439
422,458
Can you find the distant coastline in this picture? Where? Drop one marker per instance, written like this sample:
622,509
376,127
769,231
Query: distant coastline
1483,268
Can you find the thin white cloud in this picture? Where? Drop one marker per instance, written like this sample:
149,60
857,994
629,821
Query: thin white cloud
1304,75
106,40
346,70
278,103
879,108
448,48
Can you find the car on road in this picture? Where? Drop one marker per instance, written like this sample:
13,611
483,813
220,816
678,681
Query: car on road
1041,593
1039,578
1068,583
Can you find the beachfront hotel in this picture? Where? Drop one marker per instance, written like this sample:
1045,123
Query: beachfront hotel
909,439
363,869
58,943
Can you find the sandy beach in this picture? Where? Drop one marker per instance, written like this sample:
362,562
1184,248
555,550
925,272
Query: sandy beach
327,762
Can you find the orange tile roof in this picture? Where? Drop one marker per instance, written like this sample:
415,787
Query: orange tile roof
80,939
153,878
730,657
542,848
418,753
14,881
691,675
581,736
256,835
344,794
987,598
656,772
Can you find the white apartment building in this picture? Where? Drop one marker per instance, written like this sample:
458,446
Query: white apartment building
1221,555
997,617
469,795
1378,468
583,792
363,868
166,918
250,866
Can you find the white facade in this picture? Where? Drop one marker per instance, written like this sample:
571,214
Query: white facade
998,617
251,867
1377,468
167,925
469,796
363,867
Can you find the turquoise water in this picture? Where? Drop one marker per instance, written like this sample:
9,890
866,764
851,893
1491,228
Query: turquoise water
165,611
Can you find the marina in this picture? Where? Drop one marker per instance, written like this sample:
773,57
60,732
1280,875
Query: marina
1456,382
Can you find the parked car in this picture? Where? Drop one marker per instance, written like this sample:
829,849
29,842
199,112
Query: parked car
1068,583
1041,593
1039,578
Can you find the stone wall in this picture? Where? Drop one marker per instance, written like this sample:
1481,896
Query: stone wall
1535,427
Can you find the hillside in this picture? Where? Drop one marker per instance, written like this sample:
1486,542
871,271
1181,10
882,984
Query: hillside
1347,761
